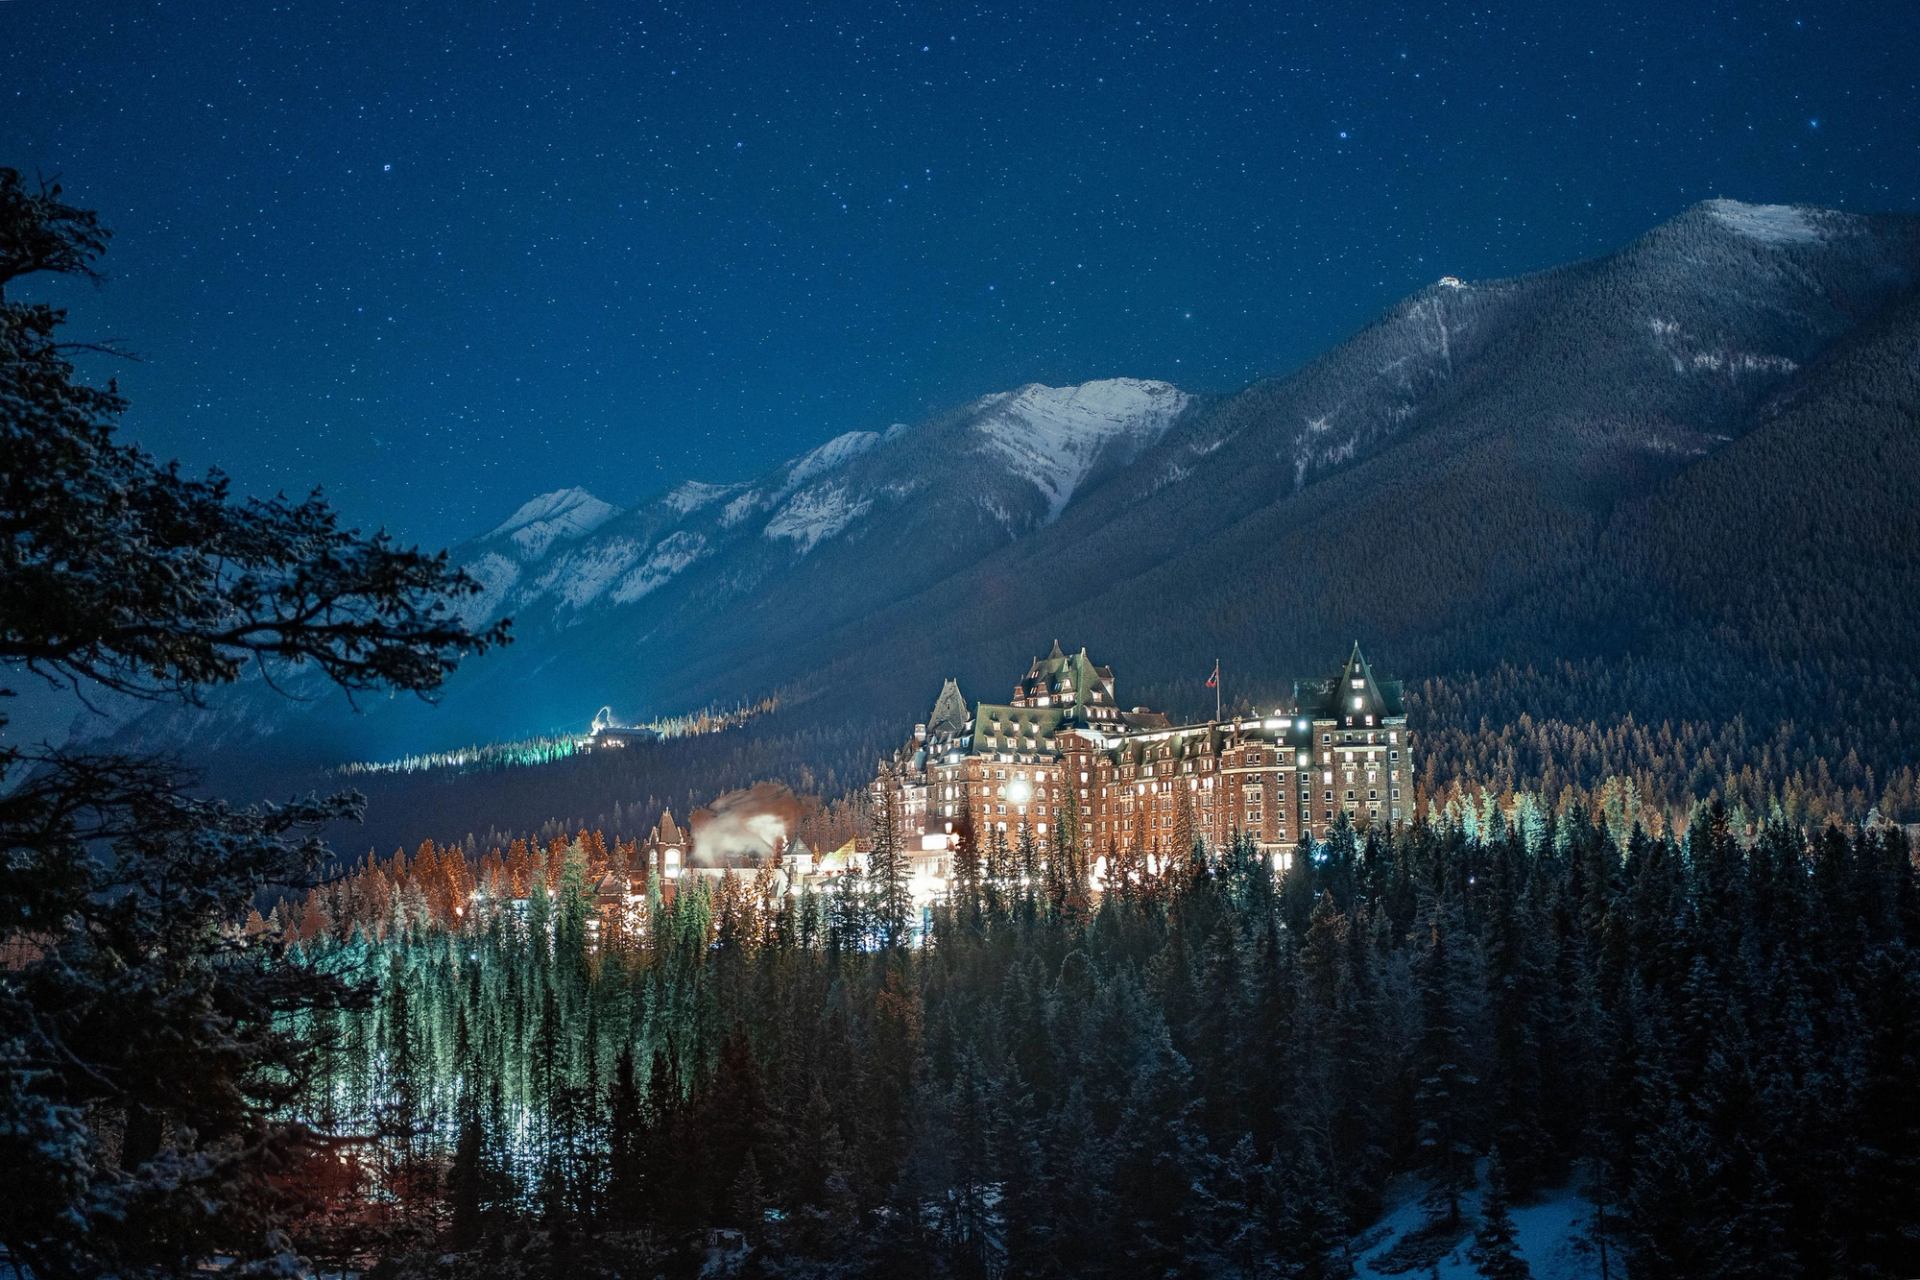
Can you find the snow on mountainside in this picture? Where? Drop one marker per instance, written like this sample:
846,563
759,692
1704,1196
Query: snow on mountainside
814,514
564,513
1026,453
840,449
676,552
1776,224
1052,436
497,575
691,495
830,456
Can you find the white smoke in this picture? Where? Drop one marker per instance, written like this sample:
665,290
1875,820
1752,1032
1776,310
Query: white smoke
744,825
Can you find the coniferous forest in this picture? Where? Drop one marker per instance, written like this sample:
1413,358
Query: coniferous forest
1632,993
1215,1071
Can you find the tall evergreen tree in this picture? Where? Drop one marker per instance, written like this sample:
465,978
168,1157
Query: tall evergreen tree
887,868
1443,1097
625,1121
1496,1254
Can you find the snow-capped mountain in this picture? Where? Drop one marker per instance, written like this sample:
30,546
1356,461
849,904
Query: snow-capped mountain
1472,478
999,467
565,513
1055,436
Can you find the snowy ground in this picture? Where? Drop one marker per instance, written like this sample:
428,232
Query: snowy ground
1552,1232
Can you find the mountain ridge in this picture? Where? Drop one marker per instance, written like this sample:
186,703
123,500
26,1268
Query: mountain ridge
1442,482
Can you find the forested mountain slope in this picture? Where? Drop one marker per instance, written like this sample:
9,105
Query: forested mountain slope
1466,459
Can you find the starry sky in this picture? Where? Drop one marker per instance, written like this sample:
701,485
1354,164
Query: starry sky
438,257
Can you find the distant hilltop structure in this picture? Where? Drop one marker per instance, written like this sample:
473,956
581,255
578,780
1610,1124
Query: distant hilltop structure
1340,750
607,731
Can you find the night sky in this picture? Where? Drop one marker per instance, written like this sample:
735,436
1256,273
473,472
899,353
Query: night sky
439,257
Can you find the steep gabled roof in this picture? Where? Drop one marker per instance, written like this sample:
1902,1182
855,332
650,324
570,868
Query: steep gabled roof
1354,692
950,713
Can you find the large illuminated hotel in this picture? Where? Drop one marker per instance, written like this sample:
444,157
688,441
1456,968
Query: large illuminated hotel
1063,737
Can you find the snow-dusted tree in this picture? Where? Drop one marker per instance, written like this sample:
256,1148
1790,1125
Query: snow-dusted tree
887,868
969,875
145,1040
1496,1252
1444,1088
1186,830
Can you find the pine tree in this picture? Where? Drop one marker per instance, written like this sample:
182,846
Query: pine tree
1156,1160
667,1192
553,1105
1443,1097
887,869
1068,864
1027,860
1309,1234
400,1118
1881,1235
467,1173
969,872
624,1137
999,858
1495,1253
1187,843
1518,998
747,1199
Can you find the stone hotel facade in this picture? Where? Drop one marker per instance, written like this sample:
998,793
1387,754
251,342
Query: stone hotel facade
1063,737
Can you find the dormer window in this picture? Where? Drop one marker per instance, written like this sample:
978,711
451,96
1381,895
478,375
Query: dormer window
1359,684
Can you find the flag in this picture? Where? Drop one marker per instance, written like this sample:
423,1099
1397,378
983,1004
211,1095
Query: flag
1213,681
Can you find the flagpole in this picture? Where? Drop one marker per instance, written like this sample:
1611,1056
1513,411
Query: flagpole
1216,690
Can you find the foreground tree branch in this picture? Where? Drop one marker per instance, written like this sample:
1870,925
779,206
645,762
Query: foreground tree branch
148,1041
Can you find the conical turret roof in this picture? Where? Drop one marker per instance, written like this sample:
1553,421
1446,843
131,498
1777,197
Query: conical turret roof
666,831
950,714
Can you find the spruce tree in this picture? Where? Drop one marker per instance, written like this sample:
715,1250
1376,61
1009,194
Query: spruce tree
1495,1252
747,1199
624,1196
467,1174
969,869
887,869
1443,1096
401,1122
1309,1232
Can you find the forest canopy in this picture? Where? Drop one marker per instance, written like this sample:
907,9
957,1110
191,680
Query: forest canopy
1213,1071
